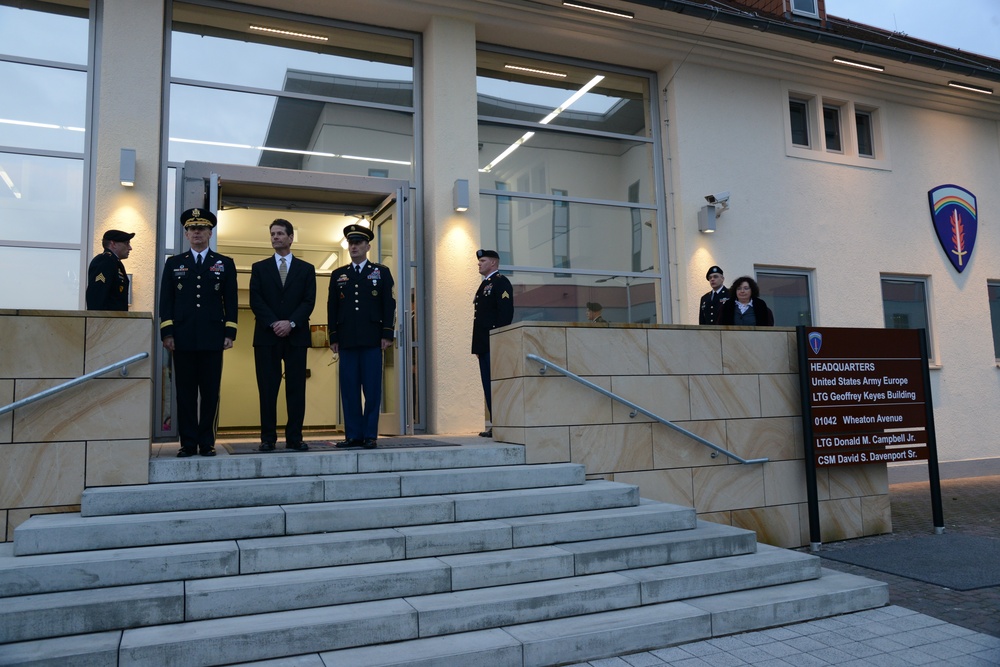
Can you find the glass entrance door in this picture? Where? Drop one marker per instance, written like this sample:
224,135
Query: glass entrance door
246,200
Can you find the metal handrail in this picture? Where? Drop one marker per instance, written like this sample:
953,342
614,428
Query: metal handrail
72,383
638,409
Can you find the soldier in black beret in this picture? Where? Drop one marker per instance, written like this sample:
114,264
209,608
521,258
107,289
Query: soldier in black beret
107,282
594,311
198,311
361,321
712,301
494,307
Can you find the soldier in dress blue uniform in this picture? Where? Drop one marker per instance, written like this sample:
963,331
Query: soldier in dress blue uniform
198,311
711,302
361,320
107,282
494,307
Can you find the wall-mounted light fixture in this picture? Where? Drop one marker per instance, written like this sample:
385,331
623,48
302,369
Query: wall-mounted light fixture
969,86
619,13
860,65
707,215
127,167
460,195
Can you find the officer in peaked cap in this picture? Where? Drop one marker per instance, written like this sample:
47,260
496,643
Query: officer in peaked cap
493,307
198,311
107,282
361,321
712,300
594,311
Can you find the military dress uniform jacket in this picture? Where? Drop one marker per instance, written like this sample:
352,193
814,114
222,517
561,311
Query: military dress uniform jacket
494,307
361,309
272,302
709,312
107,283
199,308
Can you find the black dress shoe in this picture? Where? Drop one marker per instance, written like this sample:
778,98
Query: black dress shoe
266,447
348,444
370,443
184,453
297,446
208,451
486,434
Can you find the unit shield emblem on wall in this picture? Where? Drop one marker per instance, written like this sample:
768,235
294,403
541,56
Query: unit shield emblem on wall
953,210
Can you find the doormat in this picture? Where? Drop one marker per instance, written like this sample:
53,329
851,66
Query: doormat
952,560
250,447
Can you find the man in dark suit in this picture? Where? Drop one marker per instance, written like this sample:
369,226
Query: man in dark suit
282,296
494,307
712,301
361,317
198,311
107,282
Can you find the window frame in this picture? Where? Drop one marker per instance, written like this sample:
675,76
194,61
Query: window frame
808,274
813,13
925,282
994,316
817,102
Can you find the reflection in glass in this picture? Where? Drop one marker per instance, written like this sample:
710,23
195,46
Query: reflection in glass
41,199
55,280
243,128
56,31
540,297
216,45
787,294
597,235
904,304
42,107
590,167
993,293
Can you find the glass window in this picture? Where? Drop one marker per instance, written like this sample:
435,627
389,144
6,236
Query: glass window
831,128
594,233
798,113
807,7
42,108
46,191
866,138
539,297
787,294
55,31
326,99
904,304
560,232
993,292
55,288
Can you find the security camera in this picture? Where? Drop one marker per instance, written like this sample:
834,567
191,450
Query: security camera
718,198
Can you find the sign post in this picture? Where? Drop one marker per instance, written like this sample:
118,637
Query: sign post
865,399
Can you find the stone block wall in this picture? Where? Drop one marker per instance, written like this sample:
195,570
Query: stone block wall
94,434
736,387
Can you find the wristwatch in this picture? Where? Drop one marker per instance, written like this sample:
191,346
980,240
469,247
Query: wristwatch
292,323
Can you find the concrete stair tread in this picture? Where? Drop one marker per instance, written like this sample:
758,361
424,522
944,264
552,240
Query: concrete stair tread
214,494
246,466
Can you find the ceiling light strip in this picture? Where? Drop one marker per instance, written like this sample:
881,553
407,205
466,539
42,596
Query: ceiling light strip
859,65
535,70
598,9
289,33
969,86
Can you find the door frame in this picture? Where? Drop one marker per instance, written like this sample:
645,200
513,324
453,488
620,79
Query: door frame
198,187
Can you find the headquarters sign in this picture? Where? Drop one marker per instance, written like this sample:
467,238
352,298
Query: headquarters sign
867,402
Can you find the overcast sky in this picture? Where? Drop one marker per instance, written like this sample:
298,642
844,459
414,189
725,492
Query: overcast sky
970,25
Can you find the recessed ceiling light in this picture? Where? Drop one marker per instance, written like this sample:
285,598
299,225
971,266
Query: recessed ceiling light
969,86
600,10
859,65
289,33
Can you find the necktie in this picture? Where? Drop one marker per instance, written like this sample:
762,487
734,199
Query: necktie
357,269
282,270
197,260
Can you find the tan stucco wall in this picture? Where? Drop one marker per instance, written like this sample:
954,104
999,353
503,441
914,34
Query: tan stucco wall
737,388
94,434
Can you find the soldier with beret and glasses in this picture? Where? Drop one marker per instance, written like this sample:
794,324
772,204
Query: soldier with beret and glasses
361,320
107,282
494,307
711,302
198,311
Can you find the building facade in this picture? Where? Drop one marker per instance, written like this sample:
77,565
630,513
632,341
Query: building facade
581,145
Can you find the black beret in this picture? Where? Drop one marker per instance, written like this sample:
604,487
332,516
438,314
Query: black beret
118,235
487,253
356,232
594,306
198,217
714,269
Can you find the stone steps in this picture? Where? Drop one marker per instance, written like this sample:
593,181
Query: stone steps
180,496
426,556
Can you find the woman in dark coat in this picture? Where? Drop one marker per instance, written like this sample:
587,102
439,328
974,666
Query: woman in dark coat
744,307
